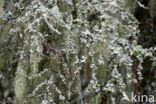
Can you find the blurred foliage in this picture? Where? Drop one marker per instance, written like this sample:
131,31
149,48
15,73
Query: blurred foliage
147,38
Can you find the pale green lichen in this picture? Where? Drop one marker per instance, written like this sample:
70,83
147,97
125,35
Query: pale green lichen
95,48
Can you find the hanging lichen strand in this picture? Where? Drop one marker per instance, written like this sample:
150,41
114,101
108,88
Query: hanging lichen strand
71,50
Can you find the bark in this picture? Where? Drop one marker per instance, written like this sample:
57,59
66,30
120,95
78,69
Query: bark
1,7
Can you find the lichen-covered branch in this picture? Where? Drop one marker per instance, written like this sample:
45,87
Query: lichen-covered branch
71,52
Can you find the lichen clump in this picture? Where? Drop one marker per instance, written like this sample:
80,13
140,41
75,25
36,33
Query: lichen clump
69,50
